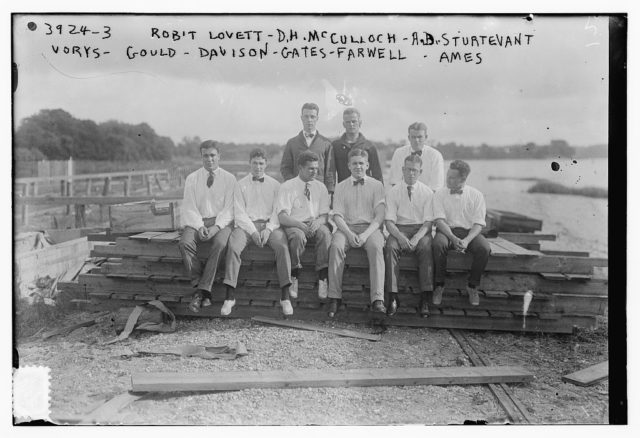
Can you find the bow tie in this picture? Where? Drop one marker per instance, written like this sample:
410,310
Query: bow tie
456,191
418,153
255,178
306,134
210,179
358,181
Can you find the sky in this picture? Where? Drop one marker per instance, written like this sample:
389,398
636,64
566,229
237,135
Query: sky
555,87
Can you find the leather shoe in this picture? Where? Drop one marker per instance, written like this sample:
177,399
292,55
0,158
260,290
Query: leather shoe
196,302
333,307
437,295
206,302
424,309
378,306
474,297
393,307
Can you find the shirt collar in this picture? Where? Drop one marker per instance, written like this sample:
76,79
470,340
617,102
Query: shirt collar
215,172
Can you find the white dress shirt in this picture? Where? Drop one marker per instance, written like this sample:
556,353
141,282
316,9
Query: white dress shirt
356,204
404,211
460,210
432,166
201,201
291,199
255,201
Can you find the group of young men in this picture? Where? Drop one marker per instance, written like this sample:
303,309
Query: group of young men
333,194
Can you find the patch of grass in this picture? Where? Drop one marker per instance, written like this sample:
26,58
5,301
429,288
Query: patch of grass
550,187
30,318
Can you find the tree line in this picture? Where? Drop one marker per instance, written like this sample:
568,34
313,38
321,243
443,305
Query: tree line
54,134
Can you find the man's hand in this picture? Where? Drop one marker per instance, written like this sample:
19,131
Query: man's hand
213,230
304,227
255,236
354,240
458,245
464,243
313,227
404,242
203,234
264,236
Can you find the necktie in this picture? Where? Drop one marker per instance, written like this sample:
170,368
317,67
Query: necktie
258,179
456,191
358,181
307,192
409,190
210,179
418,153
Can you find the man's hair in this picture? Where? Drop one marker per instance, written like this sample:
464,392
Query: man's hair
462,167
257,153
413,159
210,144
351,110
418,126
310,106
357,152
306,157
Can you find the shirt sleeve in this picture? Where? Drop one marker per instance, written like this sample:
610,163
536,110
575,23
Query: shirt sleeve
190,215
274,222
438,206
437,172
323,207
392,208
329,168
480,211
395,172
338,201
240,215
286,165
374,164
225,216
284,202
378,196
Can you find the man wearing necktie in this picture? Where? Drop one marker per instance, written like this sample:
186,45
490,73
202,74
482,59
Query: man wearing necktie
432,163
256,220
358,211
459,211
409,220
309,140
206,215
303,208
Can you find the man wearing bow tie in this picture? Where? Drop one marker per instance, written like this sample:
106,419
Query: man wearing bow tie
303,208
459,211
206,214
309,139
409,219
358,211
432,163
256,220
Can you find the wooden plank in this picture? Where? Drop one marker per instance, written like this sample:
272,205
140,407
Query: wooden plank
566,253
311,378
90,200
516,249
87,176
526,238
146,235
499,251
316,328
589,376
516,412
169,236
104,413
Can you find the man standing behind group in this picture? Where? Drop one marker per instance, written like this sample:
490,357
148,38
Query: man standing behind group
309,139
460,211
409,217
432,163
358,211
206,214
256,219
303,207
353,138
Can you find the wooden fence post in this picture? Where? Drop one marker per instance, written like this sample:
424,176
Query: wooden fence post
149,191
105,192
80,216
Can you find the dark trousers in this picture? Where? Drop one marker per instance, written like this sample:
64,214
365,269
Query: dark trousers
479,248
423,252
188,248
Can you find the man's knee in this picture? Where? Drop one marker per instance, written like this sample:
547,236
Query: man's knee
440,242
424,245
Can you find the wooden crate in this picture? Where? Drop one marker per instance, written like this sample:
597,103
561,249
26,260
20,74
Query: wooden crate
145,216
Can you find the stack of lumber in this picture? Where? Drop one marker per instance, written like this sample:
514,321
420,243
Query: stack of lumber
507,221
566,294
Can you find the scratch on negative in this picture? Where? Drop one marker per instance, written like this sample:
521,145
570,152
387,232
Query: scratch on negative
96,76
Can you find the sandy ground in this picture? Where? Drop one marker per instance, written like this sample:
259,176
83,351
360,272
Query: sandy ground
85,373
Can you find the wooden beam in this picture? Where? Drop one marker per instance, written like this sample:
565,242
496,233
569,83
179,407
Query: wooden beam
90,200
589,376
317,328
85,176
311,378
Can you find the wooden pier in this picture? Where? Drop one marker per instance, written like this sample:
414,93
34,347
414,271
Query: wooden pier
566,293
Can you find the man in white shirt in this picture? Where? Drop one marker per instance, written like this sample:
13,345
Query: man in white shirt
432,163
256,220
358,212
409,220
206,214
459,211
303,208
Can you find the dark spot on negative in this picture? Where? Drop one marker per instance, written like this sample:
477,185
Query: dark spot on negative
555,166
32,26
575,162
